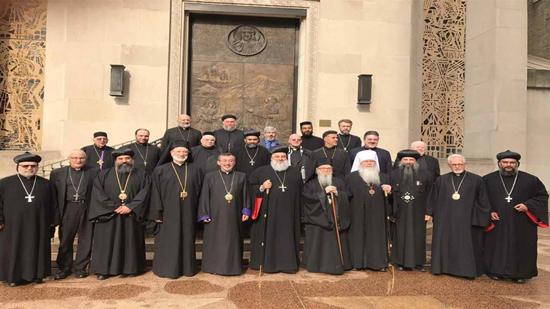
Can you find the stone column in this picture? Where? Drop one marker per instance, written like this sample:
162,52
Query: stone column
496,77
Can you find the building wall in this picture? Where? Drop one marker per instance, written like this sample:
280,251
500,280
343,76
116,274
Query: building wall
539,28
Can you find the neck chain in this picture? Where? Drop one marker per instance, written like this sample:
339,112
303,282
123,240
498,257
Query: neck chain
251,158
76,189
228,196
456,195
122,196
188,132
146,153
333,153
282,186
508,198
342,142
29,196
183,193
371,189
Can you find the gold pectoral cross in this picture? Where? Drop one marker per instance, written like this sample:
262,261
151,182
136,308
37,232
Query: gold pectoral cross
100,162
183,195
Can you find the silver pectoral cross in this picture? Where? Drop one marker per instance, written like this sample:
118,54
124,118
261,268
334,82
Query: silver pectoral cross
144,163
252,162
282,187
508,198
29,198
76,196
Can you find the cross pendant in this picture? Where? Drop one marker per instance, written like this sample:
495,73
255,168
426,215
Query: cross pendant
282,187
100,162
252,162
144,163
76,196
508,198
29,198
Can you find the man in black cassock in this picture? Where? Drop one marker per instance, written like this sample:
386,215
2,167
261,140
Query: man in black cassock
174,200
146,156
223,207
298,156
205,155
74,185
282,209
346,140
459,205
229,138
339,158
119,207
28,213
367,235
411,186
310,141
182,132
371,139
251,156
98,154
425,162
519,204
326,251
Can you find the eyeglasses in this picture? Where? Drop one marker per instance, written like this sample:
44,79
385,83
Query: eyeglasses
77,158
457,164
295,139
29,166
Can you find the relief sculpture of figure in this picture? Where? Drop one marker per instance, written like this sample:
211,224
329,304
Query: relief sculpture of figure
246,41
270,113
208,116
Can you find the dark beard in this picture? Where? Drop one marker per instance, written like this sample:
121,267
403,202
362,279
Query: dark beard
307,134
505,173
251,146
407,172
125,168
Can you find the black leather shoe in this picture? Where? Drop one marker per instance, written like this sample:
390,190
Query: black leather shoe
383,269
80,273
37,281
102,277
520,280
62,275
13,284
420,269
400,268
123,276
494,277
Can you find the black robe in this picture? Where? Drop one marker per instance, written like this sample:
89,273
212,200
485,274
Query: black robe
206,158
119,242
384,158
92,156
282,245
229,140
409,243
222,249
457,240
151,154
511,245
348,142
25,247
321,252
300,159
427,163
175,236
367,234
260,155
312,142
340,162
193,136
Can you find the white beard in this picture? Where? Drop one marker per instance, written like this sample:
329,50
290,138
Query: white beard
180,160
230,129
325,180
369,175
280,167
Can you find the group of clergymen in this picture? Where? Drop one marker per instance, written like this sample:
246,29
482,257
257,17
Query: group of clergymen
359,210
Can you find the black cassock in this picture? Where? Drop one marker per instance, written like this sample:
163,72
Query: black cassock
511,245
175,236
367,234
145,153
312,142
321,252
193,136
94,154
409,243
119,243
340,162
222,249
457,240
283,220
229,140
25,247
348,142
244,156
206,158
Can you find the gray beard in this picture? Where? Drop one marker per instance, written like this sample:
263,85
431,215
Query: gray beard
125,168
179,160
407,172
280,167
325,180
369,175
251,146
185,126
230,129
505,173
270,139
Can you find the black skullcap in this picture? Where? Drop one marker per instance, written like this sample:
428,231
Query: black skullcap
123,151
175,144
208,133
96,134
305,122
508,155
251,133
329,132
408,153
229,116
323,161
27,157
279,149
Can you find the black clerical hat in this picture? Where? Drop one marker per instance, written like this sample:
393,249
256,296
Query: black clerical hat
122,152
305,122
408,153
229,116
329,132
251,133
323,161
175,144
96,134
208,133
279,149
508,155
27,157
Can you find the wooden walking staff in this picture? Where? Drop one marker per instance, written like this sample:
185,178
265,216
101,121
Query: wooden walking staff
264,236
336,226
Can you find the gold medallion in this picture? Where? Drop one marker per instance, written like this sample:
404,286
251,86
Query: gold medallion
371,192
100,162
229,197
183,195
456,196
122,196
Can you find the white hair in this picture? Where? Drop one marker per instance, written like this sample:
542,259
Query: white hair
456,155
269,128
